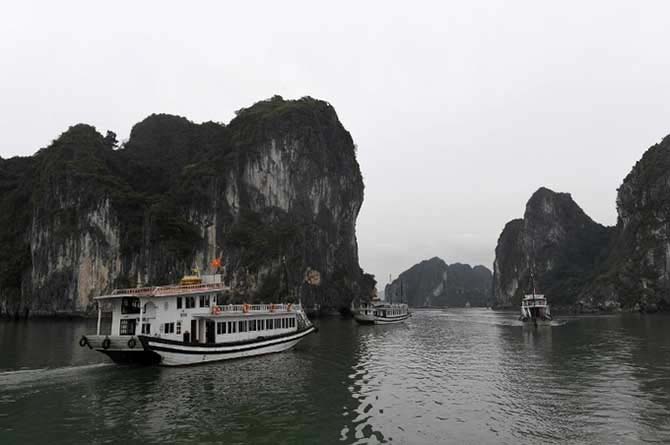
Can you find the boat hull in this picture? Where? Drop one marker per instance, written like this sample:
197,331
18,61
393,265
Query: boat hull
182,354
371,319
536,321
118,349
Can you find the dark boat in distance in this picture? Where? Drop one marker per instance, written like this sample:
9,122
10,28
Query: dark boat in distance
534,307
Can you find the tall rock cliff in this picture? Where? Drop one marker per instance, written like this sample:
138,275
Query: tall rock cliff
558,241
637,271
274,194
580,262
435,283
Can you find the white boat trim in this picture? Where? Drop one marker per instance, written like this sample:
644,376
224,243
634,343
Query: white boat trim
176,353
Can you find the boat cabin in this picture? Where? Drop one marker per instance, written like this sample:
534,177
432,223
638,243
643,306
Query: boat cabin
533,300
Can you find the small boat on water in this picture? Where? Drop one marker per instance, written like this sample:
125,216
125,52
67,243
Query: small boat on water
190,323
534,307
380,312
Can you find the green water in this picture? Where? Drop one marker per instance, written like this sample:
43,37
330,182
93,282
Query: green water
455,376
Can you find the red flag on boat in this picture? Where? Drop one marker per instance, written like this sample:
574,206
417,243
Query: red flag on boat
216,263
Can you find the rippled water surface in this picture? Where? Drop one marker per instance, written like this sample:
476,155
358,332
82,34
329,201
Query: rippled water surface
454,376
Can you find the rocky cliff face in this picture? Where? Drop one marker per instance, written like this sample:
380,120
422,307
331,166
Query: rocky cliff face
637,271
274,194
579,262
435,283
558,240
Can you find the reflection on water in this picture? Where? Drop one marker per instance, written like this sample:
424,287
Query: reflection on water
455,376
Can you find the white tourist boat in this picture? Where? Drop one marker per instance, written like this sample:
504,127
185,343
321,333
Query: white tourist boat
379,312
190,323
534,307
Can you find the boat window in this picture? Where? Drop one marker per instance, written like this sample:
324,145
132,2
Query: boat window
252,325
190,302
221,327
220,301
242,326
178,328
261,325
130,305
127,327
204,300
283,323
168,328
178,302
146,328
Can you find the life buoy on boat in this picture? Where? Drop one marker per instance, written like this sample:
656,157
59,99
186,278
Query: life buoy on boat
106,343
288,308
132,343
216,310
83,341
272,307
245,308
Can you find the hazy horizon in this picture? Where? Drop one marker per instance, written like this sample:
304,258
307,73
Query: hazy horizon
460,112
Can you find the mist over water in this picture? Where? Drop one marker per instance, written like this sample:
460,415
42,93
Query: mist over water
454,376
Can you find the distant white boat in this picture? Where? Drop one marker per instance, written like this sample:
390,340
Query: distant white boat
377,312
534,307
380,312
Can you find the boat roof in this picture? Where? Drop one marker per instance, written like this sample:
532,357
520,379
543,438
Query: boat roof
383,304
166,291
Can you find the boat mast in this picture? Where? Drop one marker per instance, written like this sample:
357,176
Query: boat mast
390,293
532,282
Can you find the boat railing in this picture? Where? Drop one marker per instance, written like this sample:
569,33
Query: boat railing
249,308
538,303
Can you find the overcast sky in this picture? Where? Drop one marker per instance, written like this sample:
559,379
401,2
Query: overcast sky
459,110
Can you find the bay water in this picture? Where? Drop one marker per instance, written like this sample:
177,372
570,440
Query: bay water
445,376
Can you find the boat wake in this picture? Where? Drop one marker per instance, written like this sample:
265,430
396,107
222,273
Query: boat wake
499,321
26,376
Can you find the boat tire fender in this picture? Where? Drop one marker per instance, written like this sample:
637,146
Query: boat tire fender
132,343
83,341
106,343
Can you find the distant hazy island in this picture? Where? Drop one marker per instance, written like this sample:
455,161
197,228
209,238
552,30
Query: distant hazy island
274,194
583,265
434,283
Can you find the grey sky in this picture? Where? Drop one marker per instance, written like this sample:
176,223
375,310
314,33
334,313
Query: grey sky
460,110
